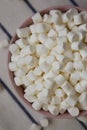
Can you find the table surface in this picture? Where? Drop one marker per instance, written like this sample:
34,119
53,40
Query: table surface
12,117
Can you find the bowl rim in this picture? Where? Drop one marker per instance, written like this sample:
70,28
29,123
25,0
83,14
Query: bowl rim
26,23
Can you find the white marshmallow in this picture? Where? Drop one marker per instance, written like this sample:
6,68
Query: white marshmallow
60,79
61,47
79,65
81,35
26,81
4,43
32,39
72,36
63,106
29,98
18,81
35,127
13,66
54,11
73,11
71,100
23,32
45,107
69,54
69,67
42,59
42,27
30,62
68,88
70,24
78,19
27,50
33,28
47,18
55,100
83,100
48,84
42,50
45,67
66,75
66,17
21,43
75,29
75,77
52,33
59,92
81,86
83,27
75,46
50,43
31,90
73,111
37,18
14,49
31,76
37,105
62,58
56,66
83,53
50,59
44,122
19,72
42,37
37,71
40,86
84,74
15,58
63,32
56,19
53,110
59,27
50,74
77,56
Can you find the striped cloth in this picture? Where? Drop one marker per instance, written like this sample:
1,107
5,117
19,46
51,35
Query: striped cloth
13,116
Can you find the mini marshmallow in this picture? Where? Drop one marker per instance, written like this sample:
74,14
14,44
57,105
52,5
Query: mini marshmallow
53,110
79,65
73,111
45,107
26,81
59,92
84,74
69,54
55,100
66,75
45,67
75,46
37,71
13,66
83,27
70,24
42,37
50,43
19,72
81,35
42,27
56,66
60,79
61,47
18,81
50,74
59,27
27,50
37,105
30,98
61,58
77,56
69,67
63,106
23,32
4,43
78,19
81,86
48,84
83,100
83,53
63,32
54,11
15,58
56,19
50,59
14,49
31,90
75,77
37,18
42,50
52,33
31,76
71,100
42,59
72,37
75,29
33,28
66,17
32,39
35,127
40,86
47,18
68,88
44,122
21,43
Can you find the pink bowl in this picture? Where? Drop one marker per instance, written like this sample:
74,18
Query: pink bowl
20,90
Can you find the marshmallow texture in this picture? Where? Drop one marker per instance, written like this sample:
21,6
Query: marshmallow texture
49,59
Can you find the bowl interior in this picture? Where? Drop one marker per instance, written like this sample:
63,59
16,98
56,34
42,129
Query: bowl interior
20,89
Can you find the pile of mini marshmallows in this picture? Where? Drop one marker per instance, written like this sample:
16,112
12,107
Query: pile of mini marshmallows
50,60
